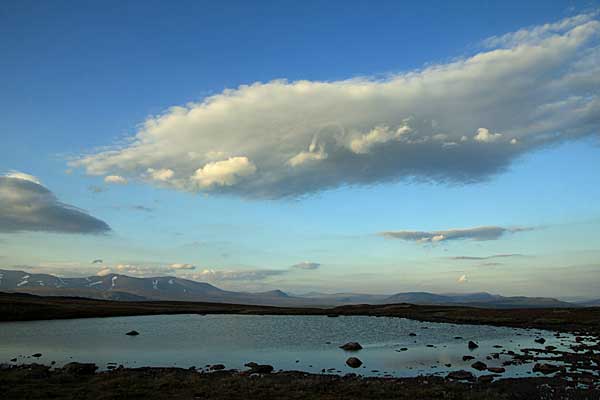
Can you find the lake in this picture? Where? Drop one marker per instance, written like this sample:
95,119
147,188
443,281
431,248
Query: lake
305,343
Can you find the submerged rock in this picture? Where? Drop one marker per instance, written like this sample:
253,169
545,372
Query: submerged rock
353,362
540,340
36,355
472,345
468,358
496,370
351,346
132,333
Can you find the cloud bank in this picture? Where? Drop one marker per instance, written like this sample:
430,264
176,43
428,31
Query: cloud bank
26,205
459,122
478,233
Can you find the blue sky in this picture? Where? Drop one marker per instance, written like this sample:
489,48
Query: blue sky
246,184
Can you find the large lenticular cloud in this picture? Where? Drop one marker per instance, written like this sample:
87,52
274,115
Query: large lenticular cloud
459,122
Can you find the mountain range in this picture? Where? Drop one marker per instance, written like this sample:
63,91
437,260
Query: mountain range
127,288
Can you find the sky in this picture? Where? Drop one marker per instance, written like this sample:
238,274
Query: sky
305,146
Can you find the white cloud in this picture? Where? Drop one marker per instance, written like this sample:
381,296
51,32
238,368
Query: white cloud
534,87
116,179
478,233
378,135
484,135
223,173
163,174
178,266
22,176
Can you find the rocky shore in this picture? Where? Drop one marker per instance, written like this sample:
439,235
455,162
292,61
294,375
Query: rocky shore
81,381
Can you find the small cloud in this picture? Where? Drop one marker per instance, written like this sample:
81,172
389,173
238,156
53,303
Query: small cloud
97,261
142,208
178,267
162,174
484,135
97,189
115,179
478,233
307,265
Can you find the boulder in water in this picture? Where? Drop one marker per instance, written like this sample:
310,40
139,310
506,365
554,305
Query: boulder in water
472,345
132,333
478,365
351,346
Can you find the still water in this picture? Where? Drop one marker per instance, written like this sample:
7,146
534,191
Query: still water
305,343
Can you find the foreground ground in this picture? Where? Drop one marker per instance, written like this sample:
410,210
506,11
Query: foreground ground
38,382
24,307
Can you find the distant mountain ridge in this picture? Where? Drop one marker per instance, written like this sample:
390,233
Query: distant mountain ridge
127,288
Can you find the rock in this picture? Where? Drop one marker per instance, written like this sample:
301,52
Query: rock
461,375
480,366
13,360
36,355
402,349
75,368
132,333
545,368
472,345
412,334
540,340
496,370
485,378
351,346
458,337
468,358
216,367
550,348
333,315
353,362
